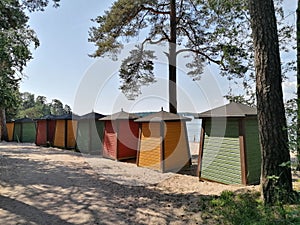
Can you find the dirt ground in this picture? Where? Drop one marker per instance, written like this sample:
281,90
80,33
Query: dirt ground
53,186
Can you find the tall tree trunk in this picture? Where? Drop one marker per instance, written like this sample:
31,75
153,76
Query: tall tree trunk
3,130
298,85
172,59
270,108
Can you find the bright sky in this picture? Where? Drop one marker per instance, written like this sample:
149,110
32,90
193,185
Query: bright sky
62,69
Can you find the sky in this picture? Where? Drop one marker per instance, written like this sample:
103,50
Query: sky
61,68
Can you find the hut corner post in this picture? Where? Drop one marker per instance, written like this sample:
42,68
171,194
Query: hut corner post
91,135
139,145
243,156
162,146
201,145
66,134
188,144
117,139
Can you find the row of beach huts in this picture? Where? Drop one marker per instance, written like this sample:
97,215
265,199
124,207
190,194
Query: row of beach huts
229,149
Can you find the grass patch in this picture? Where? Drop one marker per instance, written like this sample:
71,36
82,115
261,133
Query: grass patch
246,209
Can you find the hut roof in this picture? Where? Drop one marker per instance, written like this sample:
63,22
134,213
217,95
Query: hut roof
232,109
121,116
24,120
48,117
91,116
162,116
70,116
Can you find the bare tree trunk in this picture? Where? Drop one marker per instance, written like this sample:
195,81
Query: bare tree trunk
271,113
298,85
3,130
172,59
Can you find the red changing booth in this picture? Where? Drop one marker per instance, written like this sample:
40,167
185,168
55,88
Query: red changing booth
45,131
120,136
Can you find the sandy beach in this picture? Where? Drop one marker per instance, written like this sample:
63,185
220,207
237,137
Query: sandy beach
54,186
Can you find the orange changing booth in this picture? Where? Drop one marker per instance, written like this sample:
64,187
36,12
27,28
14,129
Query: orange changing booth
65,131
10,130
45,130
121,133
163,142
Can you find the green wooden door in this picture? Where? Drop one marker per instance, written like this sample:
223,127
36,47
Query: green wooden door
29,132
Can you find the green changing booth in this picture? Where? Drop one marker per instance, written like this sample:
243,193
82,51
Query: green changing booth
229,150
90,133
24,130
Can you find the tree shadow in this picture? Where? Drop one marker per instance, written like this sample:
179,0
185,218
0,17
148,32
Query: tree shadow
75,194
29,213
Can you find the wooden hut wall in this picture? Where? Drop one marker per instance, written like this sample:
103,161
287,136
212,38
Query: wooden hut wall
221,152
176,149
29,132
25,132
128,132
65,131
10,130
83,136
89,136
149,154
253,152
41,133
71,133
110,140
51,131
59,137
97,129
17,136
45,132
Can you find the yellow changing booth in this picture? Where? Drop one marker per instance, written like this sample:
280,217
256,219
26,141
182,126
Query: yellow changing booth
163,142
65,131
10,130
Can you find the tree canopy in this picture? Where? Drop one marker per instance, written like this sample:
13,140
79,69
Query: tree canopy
36,107
210,32
16,40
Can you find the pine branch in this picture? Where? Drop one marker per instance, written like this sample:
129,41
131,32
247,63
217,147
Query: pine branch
154,10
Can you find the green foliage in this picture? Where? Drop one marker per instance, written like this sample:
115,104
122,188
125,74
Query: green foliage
16,40
291,110
241,99
38,107
246,209
38,5
56,107
123,19
137,71
280,192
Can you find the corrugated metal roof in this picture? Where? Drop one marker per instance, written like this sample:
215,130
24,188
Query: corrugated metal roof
162,116
232,109
91,116
122,115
